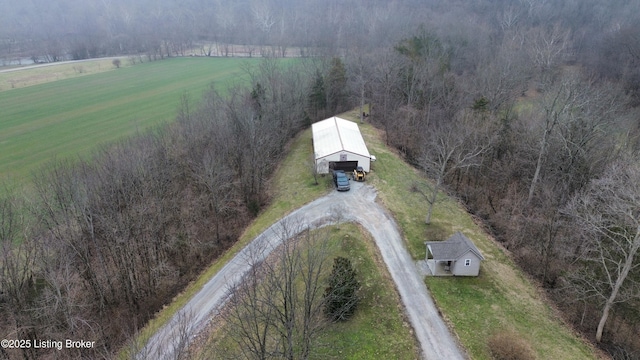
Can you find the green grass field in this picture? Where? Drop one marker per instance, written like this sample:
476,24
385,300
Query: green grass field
69,117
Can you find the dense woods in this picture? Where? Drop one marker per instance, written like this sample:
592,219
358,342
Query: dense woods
525,110
524,120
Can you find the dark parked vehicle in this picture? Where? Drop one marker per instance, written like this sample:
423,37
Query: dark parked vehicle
341,180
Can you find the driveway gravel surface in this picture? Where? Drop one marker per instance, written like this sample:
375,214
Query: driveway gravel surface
357,205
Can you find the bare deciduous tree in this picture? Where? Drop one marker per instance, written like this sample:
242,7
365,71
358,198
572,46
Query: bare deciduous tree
313,167
179,347
359,78
451,146
277,309
609,216
508,17
18,272
548,46
556,106
574,113
214,175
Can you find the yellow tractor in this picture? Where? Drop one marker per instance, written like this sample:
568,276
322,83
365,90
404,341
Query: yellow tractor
358,174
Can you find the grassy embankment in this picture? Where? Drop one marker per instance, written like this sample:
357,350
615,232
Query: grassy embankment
71,117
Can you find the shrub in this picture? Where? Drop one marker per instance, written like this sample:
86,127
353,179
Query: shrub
341,298
509,346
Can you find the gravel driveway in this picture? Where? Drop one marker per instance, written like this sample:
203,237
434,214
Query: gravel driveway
359,206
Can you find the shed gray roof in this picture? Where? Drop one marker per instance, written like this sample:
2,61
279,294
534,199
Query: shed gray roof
452,248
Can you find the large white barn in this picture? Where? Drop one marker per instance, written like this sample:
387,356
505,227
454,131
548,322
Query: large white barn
338,144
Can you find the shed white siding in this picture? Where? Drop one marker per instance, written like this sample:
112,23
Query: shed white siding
459,267
336,140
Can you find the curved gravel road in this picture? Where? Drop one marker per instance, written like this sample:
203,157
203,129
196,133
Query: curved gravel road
359,206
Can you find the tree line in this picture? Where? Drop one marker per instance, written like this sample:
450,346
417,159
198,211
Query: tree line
49,32
53,31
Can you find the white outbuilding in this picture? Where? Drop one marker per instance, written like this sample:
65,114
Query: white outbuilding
338,144
456,256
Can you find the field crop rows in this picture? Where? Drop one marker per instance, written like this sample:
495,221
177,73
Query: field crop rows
72,117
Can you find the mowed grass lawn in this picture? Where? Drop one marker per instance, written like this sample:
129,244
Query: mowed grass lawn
68,117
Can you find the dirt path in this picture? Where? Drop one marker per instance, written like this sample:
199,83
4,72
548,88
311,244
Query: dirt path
34,66
359,206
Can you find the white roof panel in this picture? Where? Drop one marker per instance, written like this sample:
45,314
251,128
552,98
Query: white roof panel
334,135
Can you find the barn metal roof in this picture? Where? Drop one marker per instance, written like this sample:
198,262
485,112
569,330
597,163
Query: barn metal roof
334,135
452,248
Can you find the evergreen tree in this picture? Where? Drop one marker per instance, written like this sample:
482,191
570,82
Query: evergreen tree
258,97
341,298
317,96
336,86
